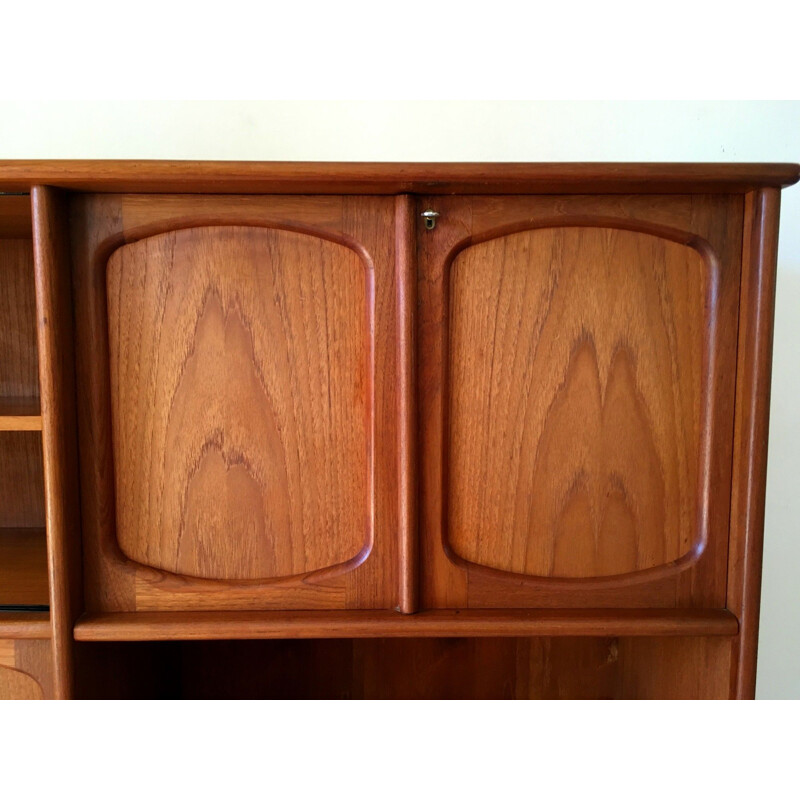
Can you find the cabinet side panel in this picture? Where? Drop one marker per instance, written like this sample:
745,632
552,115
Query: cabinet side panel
751,427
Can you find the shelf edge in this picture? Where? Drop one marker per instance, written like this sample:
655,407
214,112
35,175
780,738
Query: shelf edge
210,625
24,625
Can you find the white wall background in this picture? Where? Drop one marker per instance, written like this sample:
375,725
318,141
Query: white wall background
498,131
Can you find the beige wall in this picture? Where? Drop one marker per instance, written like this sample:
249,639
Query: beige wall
498,131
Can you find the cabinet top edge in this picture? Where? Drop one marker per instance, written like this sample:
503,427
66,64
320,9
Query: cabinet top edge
296,177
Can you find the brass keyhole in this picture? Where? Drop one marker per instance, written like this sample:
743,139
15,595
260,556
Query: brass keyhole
430,216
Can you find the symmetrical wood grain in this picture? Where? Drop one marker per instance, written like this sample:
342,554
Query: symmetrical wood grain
240,402
576,401
576,370
240,354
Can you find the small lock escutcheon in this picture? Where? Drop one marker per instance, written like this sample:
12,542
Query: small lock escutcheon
430,216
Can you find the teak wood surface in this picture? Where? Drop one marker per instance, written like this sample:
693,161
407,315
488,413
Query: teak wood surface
240,388
206,625
294,411
254,341
297,177
55,333
26,669
577,365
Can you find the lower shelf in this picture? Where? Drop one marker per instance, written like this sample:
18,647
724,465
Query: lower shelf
221,625
432,668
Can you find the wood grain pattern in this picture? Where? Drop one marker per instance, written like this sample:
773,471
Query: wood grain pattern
55,334
692,668
19,376
23,567
21,480
15,218
25,625
576,401
406,269
240,402
338,178
17,685
323,283
190,625
576,367
751,428
556,392
26,670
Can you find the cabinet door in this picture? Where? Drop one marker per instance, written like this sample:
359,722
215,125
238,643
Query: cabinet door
576,387
238,416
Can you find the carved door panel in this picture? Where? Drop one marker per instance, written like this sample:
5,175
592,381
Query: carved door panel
238,408
576,387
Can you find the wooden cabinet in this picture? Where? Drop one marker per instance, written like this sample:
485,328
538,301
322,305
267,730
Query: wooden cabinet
508,419
240,413
578,452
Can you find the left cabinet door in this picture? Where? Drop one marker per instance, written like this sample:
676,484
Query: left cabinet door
238,415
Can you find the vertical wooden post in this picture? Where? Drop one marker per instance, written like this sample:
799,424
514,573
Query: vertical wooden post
406,272
54,327
751,428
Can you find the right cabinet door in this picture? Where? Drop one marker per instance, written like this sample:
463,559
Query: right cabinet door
576,377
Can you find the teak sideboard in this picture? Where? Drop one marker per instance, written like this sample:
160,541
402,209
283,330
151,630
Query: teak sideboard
383,430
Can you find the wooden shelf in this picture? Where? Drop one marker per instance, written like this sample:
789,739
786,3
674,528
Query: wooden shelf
20,414
207,625
25,625
23,567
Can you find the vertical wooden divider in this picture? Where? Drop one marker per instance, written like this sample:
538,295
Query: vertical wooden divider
751,428
406,272
54,318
